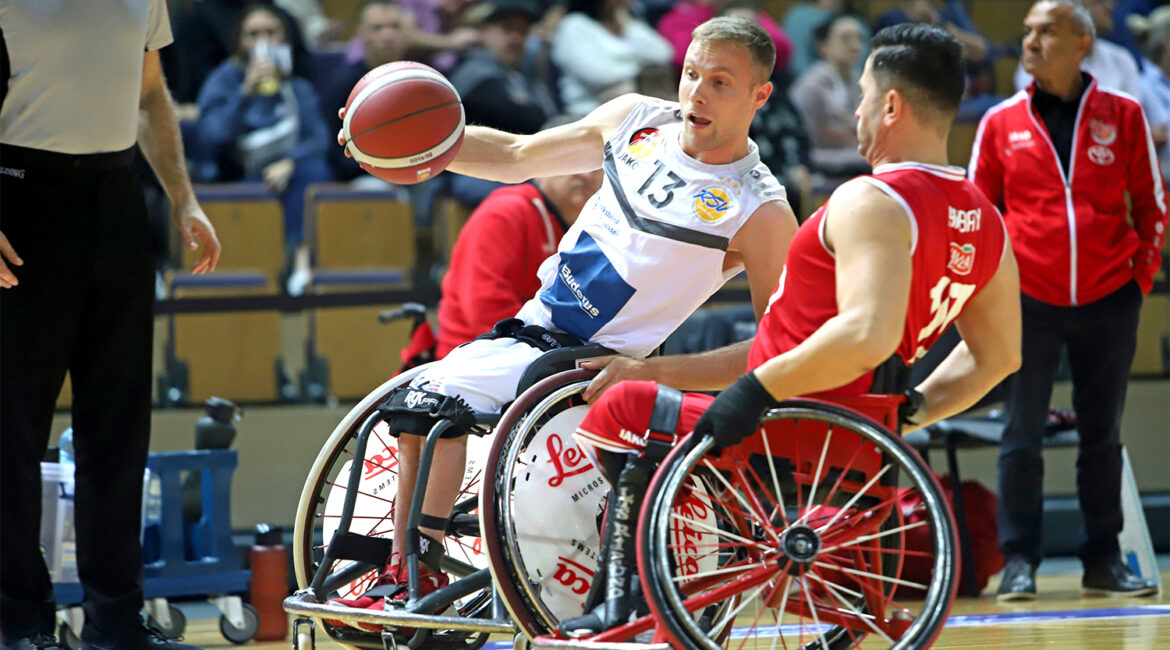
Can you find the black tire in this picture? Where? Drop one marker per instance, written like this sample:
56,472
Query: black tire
797,538
241,635
178,623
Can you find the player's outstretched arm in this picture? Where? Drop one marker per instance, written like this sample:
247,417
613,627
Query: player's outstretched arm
569,149
869,233
990,349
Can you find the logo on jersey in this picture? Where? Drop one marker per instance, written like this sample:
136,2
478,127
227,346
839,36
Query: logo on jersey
644,142
962,258
712,204
964,220
1019,140
588,291
1101,155
1102,132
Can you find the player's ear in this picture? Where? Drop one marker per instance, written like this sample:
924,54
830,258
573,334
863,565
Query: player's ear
763,92
893,106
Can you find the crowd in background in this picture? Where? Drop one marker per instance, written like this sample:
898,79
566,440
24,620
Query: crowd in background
261,82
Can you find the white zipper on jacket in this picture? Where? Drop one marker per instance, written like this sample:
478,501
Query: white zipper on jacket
1067,179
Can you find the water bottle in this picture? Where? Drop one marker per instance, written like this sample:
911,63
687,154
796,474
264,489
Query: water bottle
215,430
269,562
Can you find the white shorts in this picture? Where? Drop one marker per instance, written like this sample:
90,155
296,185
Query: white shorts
484,373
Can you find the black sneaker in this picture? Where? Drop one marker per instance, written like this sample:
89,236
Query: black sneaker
1113,578
139,637
1018,582
38,641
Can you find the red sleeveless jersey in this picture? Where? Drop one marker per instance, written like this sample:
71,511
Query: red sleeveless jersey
957,242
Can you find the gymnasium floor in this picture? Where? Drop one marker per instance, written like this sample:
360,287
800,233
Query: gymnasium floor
1059,618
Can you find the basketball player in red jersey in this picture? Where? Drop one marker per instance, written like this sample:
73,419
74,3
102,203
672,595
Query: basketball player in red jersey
882,269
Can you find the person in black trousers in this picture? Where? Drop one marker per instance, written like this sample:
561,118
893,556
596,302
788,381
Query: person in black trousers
77,295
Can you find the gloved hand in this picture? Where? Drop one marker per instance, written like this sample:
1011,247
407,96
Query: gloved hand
735,413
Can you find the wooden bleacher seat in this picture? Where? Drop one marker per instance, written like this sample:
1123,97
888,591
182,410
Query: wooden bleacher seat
249,222
1000,21
359,229
1153,329
959,144
229,354
1005,67
450,217
359,352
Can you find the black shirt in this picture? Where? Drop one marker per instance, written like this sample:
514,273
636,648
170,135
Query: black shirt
1060,118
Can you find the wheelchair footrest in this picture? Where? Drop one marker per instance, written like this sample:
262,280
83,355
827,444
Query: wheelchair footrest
552,643
305,604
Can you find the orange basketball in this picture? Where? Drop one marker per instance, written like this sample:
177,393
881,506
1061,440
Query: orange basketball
403,122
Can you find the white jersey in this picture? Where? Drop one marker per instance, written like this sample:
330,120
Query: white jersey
648,249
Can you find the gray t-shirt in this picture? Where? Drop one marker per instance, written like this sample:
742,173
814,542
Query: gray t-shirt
77,71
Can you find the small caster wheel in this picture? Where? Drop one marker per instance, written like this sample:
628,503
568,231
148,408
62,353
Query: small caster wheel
177,626
241,635
304,637
521,642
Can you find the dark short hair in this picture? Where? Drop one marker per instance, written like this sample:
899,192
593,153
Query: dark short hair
923,61
821,31
743,32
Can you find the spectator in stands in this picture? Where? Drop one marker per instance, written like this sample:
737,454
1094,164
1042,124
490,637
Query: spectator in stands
495,92
258,122
441,36
679,22
310,17
1123,33
600,49
1083,271
1153,34
800,22
827,95
385,31
1111,65
205,36
948,14
493,267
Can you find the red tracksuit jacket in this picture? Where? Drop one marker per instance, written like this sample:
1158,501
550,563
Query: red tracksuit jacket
1068,228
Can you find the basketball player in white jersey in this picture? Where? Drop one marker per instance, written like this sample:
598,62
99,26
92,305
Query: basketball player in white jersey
686,204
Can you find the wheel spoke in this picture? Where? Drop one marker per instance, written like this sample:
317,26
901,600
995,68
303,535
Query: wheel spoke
717,531
775,481
866,538
849,504
739,497
813,506
875,576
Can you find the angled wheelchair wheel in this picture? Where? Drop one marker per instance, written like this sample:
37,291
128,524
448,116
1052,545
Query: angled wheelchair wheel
802,536
325,490
541,514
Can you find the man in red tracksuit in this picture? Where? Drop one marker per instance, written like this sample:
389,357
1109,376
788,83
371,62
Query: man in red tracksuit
1059,158
494,263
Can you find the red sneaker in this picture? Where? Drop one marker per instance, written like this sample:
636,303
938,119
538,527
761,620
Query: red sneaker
393,585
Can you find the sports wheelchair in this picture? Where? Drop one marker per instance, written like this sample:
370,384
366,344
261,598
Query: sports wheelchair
820,530
799,536
543,521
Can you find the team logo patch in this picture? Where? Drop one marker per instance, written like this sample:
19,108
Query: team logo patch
1102,132
644,142
1101,155
962,258
712,204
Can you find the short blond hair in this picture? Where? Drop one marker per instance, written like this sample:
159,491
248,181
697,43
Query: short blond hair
746,33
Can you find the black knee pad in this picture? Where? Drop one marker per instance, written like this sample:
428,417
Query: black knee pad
415,411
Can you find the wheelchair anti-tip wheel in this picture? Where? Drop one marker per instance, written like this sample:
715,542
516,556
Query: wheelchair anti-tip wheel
542,510
325,490
802,536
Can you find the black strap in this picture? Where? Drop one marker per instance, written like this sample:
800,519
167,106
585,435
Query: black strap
432,522
409,403
651,226
667,407
351,546
541,338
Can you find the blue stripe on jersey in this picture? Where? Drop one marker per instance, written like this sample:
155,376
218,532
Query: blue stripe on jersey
587,292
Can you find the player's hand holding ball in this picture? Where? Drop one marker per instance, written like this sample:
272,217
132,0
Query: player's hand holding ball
403,122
